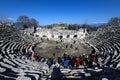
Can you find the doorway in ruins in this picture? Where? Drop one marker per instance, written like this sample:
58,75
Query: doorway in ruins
52,36
60,36
75,36
67,36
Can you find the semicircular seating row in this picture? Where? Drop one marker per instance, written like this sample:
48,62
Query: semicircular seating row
14,63
109,47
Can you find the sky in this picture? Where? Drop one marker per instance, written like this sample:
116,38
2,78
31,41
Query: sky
68,11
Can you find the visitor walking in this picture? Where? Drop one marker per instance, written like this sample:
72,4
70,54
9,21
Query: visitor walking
78,62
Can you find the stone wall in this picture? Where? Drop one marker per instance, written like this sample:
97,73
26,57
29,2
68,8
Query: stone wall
55,34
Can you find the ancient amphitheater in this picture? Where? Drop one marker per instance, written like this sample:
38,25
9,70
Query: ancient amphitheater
16,55
59,41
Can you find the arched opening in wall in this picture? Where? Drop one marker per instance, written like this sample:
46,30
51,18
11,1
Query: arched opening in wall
44,36
75,36
67,36
60,36
36,35
52,36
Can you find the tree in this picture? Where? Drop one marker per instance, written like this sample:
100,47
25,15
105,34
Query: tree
25,26
85,25
90,29
114,21
34,23
23,19
74,26
62,24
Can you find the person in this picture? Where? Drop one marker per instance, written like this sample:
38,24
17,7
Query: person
72,62
65,54
85,60
74,42
67,46
35,56
71,46
62,59
59,60
53,61
26,44
24,51
66,63
39,59
90,63
78,62
54,55
29,55
69,60
49,62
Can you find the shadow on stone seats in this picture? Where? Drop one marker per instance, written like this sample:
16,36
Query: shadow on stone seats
56,74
